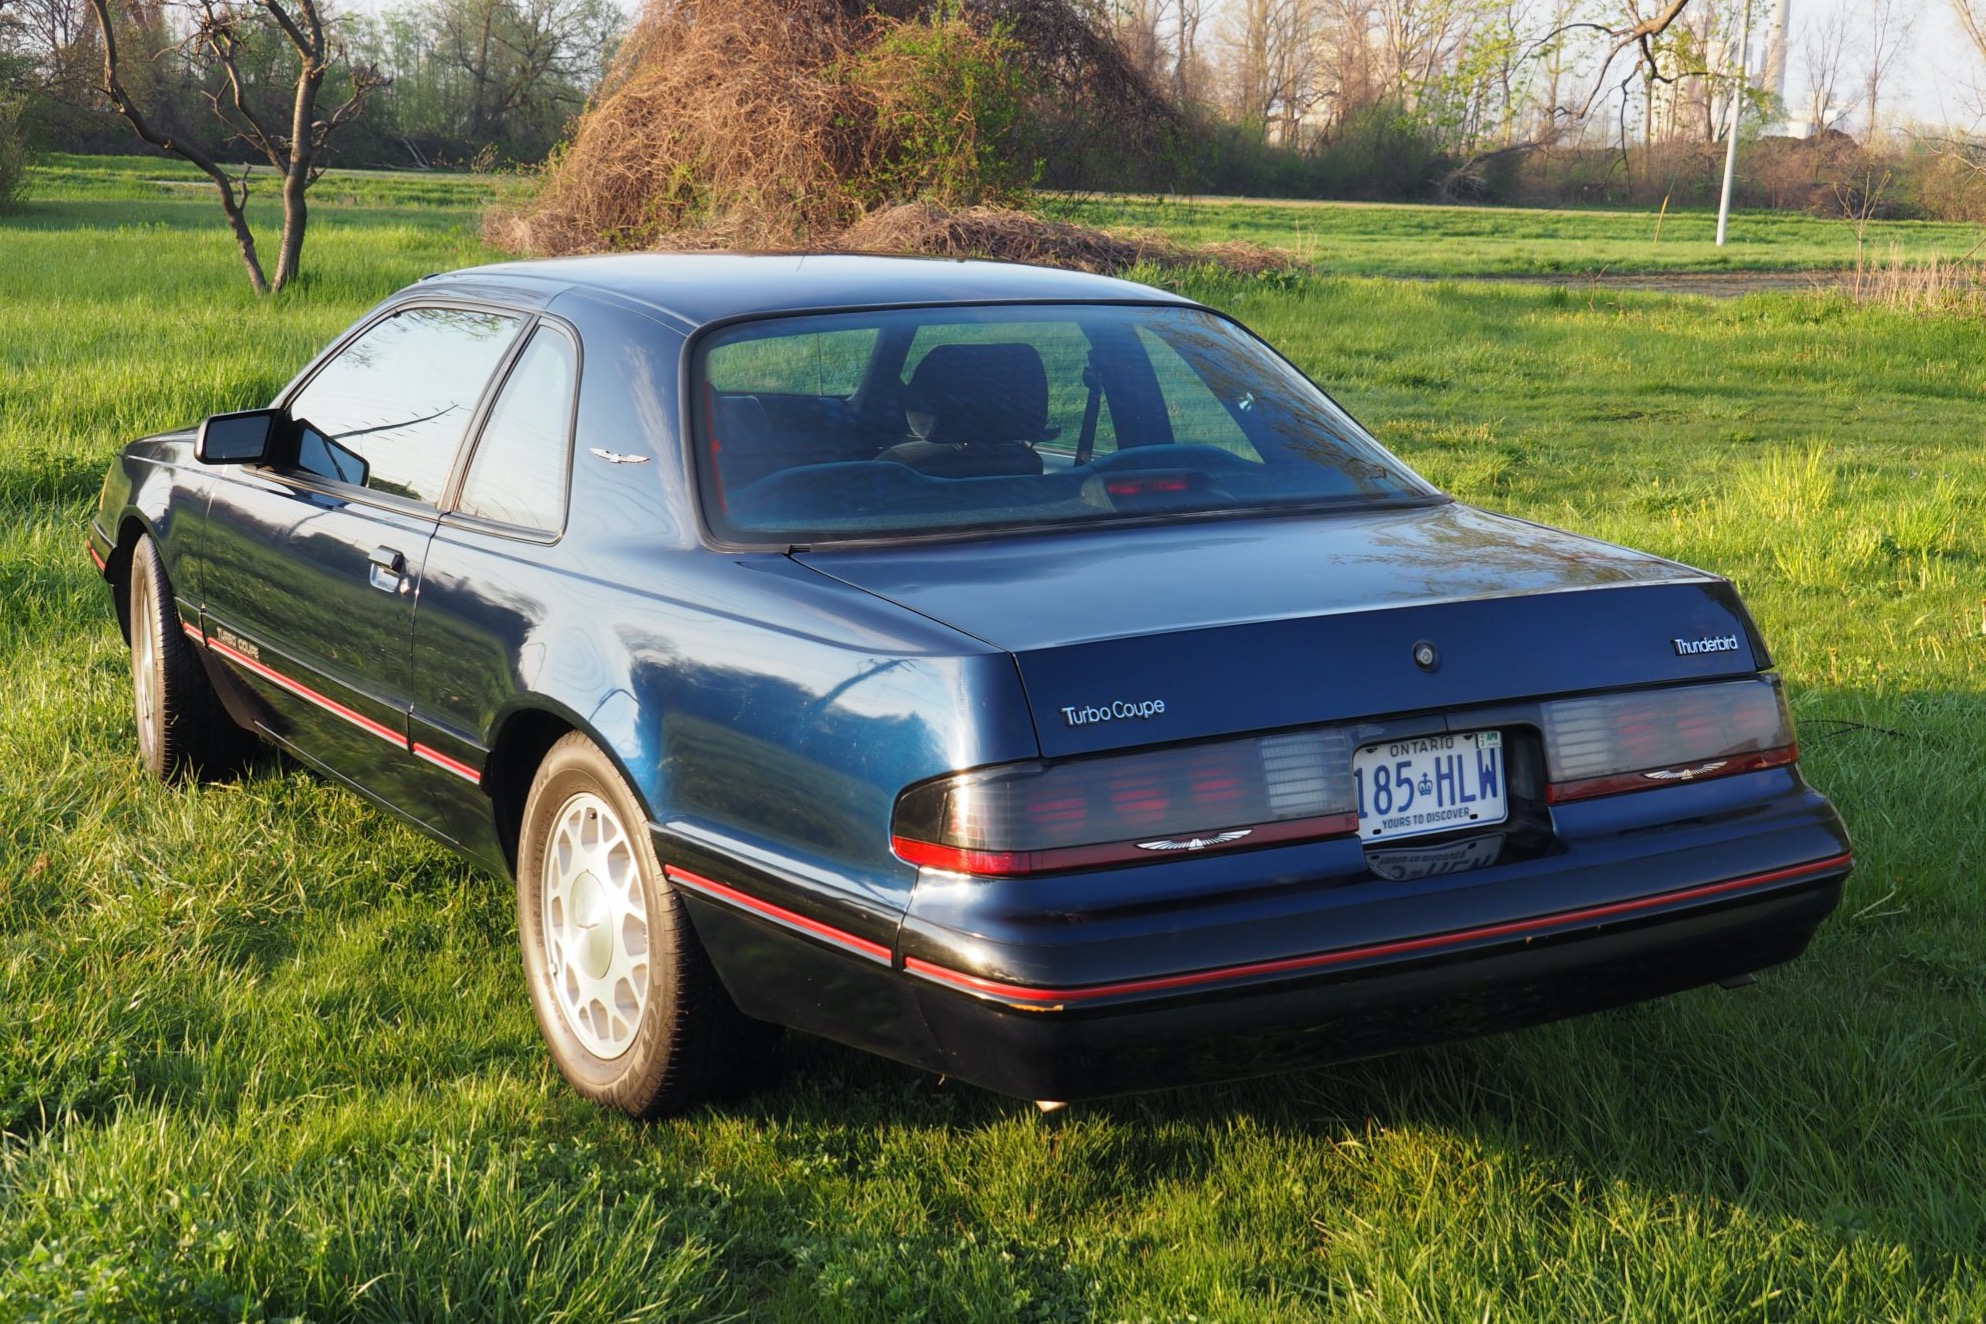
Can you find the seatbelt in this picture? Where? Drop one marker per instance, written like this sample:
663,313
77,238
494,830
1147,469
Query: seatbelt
1086,439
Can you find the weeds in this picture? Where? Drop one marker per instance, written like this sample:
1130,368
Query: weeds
1920,285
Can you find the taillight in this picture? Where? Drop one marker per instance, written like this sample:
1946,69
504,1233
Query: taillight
1646,738
1037,817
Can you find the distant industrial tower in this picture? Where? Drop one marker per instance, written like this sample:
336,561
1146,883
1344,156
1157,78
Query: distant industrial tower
1773,76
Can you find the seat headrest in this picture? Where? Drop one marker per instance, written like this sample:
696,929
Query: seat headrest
979,394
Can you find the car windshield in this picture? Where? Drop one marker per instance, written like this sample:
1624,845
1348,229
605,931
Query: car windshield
903,422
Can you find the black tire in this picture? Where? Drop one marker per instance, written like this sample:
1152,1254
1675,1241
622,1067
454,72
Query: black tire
183,730
663,1047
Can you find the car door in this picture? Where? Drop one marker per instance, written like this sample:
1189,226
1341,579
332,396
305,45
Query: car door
313,564
489,585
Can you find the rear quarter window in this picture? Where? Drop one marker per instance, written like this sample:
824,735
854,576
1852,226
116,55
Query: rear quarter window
517,475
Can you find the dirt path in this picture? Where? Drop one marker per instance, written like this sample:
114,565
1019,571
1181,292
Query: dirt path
1717,284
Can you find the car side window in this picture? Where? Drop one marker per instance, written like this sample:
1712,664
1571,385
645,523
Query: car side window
391,408
518,473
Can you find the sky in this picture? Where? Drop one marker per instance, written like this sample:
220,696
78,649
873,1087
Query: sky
1938,78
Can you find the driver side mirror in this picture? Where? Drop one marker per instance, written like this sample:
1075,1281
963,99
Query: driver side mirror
243,438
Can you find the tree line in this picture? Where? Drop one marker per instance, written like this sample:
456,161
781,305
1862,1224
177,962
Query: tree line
1501,98
454,81
430,82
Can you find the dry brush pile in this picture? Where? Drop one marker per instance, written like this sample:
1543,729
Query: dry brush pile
884,126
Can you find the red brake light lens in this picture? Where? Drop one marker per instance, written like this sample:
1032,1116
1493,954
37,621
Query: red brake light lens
1641,739
1038,817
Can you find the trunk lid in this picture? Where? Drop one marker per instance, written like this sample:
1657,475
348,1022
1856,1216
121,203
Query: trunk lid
1136,636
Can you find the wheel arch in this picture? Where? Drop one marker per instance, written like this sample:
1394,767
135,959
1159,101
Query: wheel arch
522,737
117,566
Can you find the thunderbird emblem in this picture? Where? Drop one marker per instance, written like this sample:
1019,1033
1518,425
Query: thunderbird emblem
1684,774
1196,843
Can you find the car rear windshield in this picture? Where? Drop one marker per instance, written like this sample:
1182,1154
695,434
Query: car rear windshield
907,422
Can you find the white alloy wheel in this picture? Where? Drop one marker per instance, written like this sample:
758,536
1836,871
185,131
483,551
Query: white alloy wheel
144,666
595,925
629,1002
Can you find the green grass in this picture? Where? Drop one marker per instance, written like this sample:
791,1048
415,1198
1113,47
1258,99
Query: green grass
264,1054
1385,239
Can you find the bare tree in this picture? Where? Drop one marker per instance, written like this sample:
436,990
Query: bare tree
1137,26
1556,58
1187,16
1420,39
1825,52
216,41
1971,15
53,46
516,57
1889,32
1272,64
1347,55
1640,29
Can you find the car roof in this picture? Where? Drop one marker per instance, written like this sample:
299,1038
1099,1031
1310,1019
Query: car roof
700,288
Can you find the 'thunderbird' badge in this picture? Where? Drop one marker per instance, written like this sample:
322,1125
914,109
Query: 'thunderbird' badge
1196,843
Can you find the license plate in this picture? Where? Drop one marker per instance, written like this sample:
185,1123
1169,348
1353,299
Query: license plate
1429,784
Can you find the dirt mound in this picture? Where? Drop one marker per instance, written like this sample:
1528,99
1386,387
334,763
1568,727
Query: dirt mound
779,123
1015,236
723,120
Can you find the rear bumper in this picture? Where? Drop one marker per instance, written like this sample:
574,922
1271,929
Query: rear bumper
1222,967
1372,1003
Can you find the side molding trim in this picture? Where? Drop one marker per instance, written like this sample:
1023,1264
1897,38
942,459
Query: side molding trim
336,709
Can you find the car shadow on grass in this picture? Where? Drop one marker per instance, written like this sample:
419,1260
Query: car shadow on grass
1785,1100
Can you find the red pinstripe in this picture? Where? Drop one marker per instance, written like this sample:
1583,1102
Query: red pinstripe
303,691
839,937
360,720
441,760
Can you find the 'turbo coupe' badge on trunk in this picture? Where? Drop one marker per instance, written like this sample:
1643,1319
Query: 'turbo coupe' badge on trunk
1142,709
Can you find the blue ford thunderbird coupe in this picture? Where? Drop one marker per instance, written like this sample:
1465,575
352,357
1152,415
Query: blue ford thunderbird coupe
1025,675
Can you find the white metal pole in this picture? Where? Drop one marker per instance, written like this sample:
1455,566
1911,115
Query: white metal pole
1731,145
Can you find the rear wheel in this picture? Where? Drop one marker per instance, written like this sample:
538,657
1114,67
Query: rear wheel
624,994
182,727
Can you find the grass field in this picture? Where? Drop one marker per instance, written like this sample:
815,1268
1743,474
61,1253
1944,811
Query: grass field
1388,239
265,1055
1340,239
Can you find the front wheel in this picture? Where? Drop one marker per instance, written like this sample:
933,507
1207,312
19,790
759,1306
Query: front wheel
627,1000
182,726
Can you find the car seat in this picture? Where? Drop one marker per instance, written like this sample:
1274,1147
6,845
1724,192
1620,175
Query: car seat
976,411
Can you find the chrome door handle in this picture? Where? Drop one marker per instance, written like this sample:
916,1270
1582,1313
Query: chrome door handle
387,569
